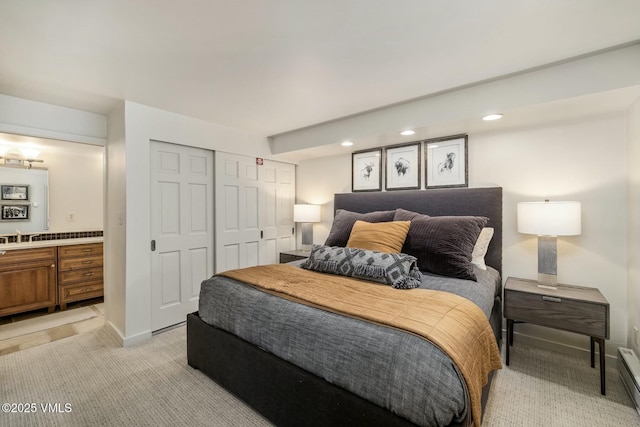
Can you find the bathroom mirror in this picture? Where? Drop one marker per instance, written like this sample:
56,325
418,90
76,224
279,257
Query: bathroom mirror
24,200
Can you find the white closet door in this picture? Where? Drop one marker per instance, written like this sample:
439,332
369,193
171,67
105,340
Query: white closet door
278,196
254,210
237,211
181,229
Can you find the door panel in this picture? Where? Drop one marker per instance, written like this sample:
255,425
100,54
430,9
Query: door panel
182,227
170,278
237,216
277,207
254,214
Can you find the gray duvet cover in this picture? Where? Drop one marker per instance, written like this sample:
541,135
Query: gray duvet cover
396,370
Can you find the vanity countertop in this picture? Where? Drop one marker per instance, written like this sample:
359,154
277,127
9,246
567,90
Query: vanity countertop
48,243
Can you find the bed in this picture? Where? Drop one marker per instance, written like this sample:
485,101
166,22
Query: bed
293,389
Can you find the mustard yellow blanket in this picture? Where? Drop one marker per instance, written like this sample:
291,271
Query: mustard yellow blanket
453,323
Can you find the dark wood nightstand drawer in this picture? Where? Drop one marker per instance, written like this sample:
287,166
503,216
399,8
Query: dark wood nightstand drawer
557,312
290,256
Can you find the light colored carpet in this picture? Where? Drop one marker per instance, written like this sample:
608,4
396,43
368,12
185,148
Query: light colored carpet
151,385
145,385
545,388
23,327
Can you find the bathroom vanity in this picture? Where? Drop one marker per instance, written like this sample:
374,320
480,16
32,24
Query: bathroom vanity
35,275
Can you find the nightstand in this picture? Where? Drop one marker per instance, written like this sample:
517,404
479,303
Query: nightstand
569,308
288,256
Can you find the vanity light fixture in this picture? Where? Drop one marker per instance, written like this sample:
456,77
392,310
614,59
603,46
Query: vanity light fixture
408,132
29,153
346,143
494,116
17,161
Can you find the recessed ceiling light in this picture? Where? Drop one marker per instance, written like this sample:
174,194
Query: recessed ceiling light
346,144
407,132
494,116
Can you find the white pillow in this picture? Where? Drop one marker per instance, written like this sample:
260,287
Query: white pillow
480,248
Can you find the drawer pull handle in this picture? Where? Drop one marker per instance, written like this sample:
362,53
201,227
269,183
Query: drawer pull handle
87,262
88,274
551,299
88,250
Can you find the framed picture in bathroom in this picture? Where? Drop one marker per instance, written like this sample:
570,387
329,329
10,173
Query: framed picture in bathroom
14,192
15,212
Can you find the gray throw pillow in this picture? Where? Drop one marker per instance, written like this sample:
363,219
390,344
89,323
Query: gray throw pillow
442,244
395,269
343,223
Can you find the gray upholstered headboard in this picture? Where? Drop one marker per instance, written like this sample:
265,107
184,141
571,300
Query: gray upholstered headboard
437,202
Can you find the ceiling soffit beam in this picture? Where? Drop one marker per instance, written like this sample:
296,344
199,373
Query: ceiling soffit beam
597,72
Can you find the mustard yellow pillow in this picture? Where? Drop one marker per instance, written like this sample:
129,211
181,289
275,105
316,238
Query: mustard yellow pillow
379,236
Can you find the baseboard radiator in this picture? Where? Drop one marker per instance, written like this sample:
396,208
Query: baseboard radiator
629,368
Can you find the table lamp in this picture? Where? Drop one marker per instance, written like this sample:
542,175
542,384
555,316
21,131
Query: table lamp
307,215
549,220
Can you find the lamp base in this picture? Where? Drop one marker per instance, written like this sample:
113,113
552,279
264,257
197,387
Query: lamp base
547,262
547,281
307,236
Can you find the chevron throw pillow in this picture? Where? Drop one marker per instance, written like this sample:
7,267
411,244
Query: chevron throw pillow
396,269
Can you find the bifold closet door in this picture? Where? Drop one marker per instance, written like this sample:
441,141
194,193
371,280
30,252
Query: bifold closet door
254,210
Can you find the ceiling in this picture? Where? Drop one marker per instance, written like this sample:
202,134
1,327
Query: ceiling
271,66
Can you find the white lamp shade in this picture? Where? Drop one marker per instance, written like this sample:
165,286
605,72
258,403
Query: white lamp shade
306,213
550,218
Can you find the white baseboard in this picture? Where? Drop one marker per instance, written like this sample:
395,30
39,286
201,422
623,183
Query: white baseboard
127,341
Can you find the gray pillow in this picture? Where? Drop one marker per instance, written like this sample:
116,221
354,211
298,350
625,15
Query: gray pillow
343,223
398,270
405,215
442,244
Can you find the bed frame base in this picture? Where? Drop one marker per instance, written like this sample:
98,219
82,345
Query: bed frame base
283,393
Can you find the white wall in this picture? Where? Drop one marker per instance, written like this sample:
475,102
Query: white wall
633,195
115,245
143,124
75,185
75,177
568,161
31,118
317,181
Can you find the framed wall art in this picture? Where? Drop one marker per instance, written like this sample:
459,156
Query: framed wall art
14,192
14,212
366,170
403,167
446,162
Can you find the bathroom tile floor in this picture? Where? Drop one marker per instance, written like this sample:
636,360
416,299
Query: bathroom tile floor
25,330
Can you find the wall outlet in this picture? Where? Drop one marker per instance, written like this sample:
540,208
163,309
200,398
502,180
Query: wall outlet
71,216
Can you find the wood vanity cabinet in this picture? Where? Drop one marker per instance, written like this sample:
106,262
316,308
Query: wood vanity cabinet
80,273
27,280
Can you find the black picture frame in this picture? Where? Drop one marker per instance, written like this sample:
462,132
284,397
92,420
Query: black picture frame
403,166
14,192
447,162
14,212
366,170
